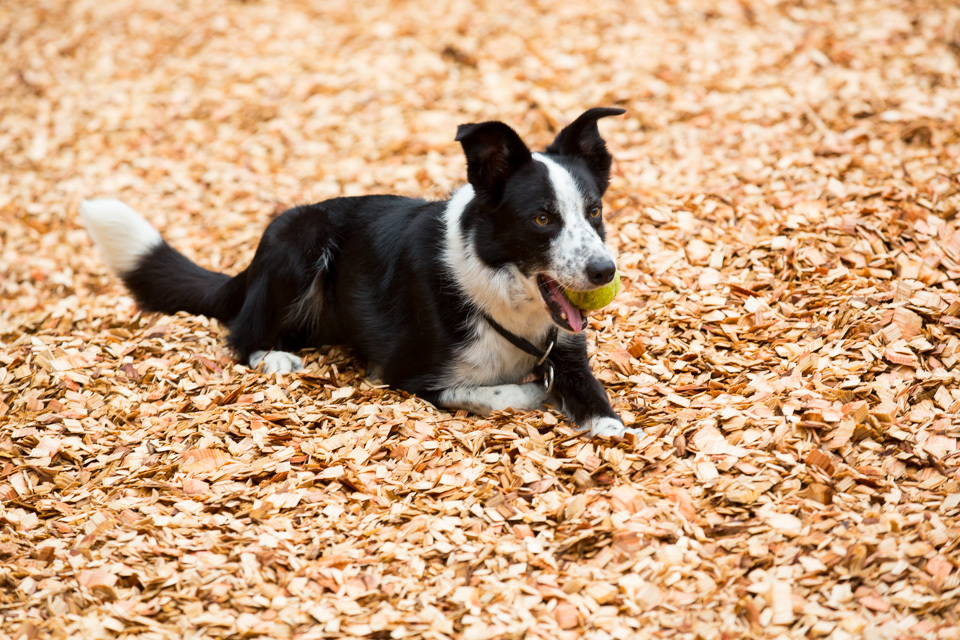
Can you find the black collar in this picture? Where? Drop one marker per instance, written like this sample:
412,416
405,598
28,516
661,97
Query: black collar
544,365
524,345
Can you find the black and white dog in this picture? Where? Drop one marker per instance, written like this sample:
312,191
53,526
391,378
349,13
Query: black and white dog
456,301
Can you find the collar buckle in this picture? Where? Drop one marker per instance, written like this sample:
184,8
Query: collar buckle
548,378
546,352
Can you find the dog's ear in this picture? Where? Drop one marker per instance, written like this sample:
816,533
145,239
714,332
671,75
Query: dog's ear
582,138
494,152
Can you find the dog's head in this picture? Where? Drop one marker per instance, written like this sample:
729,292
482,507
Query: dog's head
539,215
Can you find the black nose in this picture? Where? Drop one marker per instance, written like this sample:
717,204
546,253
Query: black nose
600,272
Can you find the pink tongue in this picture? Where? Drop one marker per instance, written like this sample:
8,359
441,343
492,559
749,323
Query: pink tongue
573,314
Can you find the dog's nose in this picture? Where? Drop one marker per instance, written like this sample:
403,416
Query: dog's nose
601,272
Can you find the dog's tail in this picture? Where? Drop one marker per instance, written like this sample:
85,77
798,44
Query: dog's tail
159,277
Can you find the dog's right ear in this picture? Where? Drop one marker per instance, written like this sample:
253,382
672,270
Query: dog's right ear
494,152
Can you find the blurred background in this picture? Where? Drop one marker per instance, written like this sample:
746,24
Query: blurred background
233,110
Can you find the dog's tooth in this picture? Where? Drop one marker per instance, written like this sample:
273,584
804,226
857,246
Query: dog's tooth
563,314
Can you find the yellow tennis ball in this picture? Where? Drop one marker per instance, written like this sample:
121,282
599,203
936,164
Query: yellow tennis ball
597,298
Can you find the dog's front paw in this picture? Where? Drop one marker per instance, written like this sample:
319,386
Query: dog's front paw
606,427
276,361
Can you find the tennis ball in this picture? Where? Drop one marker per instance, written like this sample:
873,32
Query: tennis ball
597,298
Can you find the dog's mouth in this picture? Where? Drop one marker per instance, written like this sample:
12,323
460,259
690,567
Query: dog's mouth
564,313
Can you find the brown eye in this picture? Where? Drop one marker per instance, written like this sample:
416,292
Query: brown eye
542,220
595,212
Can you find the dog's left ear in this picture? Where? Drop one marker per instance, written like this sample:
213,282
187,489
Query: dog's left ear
494,152
582,138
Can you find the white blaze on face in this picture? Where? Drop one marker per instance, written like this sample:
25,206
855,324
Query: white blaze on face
578,243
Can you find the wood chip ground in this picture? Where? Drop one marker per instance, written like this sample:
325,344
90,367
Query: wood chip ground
784,204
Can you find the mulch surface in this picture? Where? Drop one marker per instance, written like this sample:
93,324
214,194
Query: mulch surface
784,204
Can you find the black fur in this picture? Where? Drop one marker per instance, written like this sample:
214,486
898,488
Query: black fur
581,395
494,153
369,271
165,280
504,231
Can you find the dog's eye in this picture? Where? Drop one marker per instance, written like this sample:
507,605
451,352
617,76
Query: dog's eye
594,212
542,220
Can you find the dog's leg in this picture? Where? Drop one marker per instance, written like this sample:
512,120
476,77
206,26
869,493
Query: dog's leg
483,400
258,332
580,394
283,308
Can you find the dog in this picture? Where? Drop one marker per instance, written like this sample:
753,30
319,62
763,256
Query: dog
456,301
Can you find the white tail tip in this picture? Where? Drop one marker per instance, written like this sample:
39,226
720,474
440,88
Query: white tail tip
122,235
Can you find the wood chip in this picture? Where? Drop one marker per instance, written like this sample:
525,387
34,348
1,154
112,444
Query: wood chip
821,460
781,602
785,209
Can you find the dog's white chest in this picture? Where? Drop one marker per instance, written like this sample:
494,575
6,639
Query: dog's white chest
489,360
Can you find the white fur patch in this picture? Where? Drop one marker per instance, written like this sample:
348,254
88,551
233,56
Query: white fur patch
505,295
276,361
122,235
578,243
483,400
489,359
307,310
606,427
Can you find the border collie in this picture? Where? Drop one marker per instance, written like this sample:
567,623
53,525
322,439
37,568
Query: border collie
456,301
